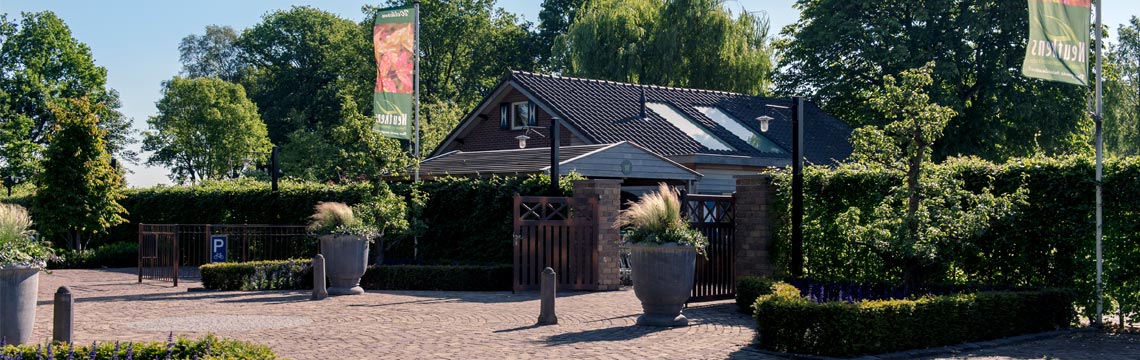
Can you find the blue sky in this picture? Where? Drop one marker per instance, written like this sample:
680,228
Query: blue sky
137,41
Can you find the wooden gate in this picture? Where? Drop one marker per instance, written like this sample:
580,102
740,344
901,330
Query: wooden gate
714,216
556,232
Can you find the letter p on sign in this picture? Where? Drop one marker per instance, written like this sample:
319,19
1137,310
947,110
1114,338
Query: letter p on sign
218,248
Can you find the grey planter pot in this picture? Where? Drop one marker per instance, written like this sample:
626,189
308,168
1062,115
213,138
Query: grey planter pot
662,280
346,259
19,287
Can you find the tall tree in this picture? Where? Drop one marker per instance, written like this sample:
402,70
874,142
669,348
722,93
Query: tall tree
554,19
78,191
841,48
205,129
1122,92
41,64
684,43
213,54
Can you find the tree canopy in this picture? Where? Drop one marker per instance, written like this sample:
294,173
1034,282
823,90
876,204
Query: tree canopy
205,129
42,65
839,50
1122,92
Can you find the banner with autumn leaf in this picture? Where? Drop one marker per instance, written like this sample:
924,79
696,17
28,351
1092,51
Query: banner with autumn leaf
393,40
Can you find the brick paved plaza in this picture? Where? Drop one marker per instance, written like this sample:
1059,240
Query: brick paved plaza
111,305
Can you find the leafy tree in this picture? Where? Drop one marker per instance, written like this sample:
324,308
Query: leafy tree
78,190
839,49
692,43
204,130
299,60
930,215
1122,93
554,18
213,54
41,64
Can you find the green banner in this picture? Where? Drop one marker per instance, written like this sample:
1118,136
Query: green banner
393,40
1058,45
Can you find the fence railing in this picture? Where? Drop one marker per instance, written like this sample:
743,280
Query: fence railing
174,251
713,216
555,232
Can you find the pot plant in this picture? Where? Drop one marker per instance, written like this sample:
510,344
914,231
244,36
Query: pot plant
663,255
344,244
22,257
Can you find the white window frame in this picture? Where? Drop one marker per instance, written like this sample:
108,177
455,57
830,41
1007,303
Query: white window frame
515,115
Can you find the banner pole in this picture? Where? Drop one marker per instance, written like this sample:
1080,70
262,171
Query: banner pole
1099,172
417,90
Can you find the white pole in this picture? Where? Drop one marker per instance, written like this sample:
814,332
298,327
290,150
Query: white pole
1099,166
416,238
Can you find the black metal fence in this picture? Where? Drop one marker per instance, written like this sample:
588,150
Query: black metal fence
172,251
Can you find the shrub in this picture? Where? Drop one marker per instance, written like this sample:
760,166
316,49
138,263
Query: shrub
116,255
748,288
18,243
207,347
298,274
788,322
656,219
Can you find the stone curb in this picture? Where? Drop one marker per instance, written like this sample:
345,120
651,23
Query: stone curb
945,350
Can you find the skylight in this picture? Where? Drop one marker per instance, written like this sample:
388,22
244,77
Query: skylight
736,128
688,126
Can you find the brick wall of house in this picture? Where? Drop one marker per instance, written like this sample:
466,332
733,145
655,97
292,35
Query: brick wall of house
486,134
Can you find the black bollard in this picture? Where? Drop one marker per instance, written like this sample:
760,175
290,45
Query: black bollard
64,312
546,316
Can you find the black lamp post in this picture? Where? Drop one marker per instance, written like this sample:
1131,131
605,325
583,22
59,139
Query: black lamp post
554,143
797,108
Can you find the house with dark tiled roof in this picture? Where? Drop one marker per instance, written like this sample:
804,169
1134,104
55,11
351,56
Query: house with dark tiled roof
699,139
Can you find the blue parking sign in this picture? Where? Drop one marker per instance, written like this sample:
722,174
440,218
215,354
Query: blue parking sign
218,248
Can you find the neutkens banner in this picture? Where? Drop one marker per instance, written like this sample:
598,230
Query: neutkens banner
1058,45
393,40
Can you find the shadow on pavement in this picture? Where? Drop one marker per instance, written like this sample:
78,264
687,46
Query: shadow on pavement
607,334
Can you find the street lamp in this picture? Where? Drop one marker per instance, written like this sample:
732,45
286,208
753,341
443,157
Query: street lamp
797,108
554,143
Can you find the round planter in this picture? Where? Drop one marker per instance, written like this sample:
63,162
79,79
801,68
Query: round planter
662,280
346,259
19,287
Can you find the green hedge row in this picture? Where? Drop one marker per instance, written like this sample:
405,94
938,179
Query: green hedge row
298,274
748,289
1047,243
116,255
788,322
205,348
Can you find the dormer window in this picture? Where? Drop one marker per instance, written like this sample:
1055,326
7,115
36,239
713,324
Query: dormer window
520,115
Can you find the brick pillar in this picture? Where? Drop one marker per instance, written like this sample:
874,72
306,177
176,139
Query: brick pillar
608,193
754,199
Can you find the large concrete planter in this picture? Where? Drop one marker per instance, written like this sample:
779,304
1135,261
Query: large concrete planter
19,286
662,280
346,259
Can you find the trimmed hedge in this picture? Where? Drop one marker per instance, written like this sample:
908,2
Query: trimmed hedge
1047,243
748,288
788,322
207,347
117,255
298,274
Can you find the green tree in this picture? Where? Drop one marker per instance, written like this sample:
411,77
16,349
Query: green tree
213,54
1122,93
554,18
691,43
78,190
930,215
839,49
205,129
41,64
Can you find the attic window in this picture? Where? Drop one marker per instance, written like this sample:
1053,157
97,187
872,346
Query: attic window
688,126
520,115
734,126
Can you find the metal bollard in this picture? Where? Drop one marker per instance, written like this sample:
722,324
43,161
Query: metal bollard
546,316
319,289
64,312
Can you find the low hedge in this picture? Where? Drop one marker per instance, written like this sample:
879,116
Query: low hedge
207,347
788,322
298,274
116,255
750,287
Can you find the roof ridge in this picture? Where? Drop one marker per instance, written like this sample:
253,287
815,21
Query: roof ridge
650,86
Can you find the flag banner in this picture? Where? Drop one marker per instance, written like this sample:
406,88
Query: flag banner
393,40
1058,45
